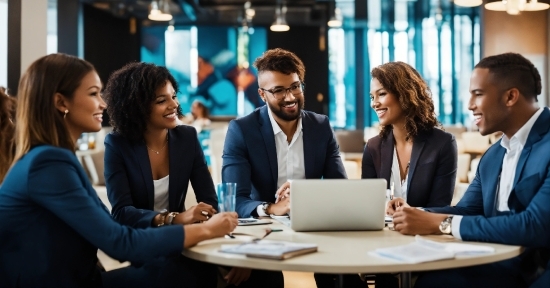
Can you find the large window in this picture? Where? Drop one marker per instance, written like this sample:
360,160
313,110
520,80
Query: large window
439,39
4,43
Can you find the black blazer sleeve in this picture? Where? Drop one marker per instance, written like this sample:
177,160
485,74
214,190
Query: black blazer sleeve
444,177
119,189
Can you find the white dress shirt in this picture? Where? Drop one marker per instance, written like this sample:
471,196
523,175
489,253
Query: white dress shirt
161,193
290,156
513,147
399,190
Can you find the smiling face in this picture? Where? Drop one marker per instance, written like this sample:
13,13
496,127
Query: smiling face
385,104
164,109
487,102
86,106
285,109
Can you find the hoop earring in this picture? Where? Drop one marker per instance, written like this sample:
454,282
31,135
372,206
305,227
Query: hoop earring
65,115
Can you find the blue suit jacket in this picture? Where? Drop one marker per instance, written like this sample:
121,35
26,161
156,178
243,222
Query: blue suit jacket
250,156
528,223
432,171
53,222
129,178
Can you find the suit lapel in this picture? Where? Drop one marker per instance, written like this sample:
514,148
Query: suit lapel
174,198
145,167
539,129
269,141
386,154
309,146
492,180
418,146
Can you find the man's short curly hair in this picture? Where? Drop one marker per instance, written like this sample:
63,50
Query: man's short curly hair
282,61
413,94
129,94
511,70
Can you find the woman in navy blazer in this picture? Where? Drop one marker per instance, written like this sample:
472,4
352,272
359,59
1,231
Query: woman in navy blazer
52,220
149,161
417,159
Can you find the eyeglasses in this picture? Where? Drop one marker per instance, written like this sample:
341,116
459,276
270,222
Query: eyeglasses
280,92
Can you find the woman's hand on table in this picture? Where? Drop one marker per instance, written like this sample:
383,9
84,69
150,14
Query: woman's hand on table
219,225
222,223
197,213
394,204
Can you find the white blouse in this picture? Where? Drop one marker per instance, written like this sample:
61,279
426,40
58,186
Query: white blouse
161,193
398,189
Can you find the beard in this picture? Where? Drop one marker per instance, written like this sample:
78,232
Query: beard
279,111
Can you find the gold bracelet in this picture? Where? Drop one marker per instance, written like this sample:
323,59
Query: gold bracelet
162,214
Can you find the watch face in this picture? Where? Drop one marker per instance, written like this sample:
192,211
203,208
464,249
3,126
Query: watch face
445,226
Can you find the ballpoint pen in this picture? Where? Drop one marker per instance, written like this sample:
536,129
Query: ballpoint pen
391,191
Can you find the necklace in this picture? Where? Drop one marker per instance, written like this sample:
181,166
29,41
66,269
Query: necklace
158,152
406,168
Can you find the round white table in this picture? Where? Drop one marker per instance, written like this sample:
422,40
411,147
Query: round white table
338,252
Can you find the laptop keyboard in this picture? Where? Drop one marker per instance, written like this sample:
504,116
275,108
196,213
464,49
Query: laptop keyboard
282,219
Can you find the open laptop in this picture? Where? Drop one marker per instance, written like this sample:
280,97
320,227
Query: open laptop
337,204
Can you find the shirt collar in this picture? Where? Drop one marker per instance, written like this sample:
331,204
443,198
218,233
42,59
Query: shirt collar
522,134
276,128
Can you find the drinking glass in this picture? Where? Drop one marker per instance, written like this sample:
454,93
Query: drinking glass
226,196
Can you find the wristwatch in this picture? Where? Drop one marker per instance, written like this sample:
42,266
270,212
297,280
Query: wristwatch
171,217
265,206
445,226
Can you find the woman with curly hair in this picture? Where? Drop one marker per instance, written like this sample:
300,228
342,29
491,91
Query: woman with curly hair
7,130
149,162
417,159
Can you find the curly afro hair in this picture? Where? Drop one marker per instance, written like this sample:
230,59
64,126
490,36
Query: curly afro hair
129,94
282,61
413,94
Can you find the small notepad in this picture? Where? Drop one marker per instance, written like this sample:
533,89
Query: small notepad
423,250
270,249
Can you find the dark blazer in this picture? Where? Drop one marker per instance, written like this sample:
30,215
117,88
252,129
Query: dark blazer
432,170
129,179
53,223
250,156
528,223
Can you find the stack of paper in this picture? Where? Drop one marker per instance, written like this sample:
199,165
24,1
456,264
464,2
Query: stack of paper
423,250
270,249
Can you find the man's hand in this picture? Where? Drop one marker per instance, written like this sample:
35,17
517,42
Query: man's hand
283,192
412,221
199,212
280,208
237,275
394,204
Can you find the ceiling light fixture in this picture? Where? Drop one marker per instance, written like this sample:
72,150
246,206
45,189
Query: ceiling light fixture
160,11
336,19
280,22
515,7
468,3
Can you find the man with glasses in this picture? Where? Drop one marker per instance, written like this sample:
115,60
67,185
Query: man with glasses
279,141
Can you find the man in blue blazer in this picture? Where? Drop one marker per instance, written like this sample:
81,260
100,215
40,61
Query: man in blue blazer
279,141
508,201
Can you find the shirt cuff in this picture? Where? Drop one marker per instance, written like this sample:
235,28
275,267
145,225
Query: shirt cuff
260,211
455,226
